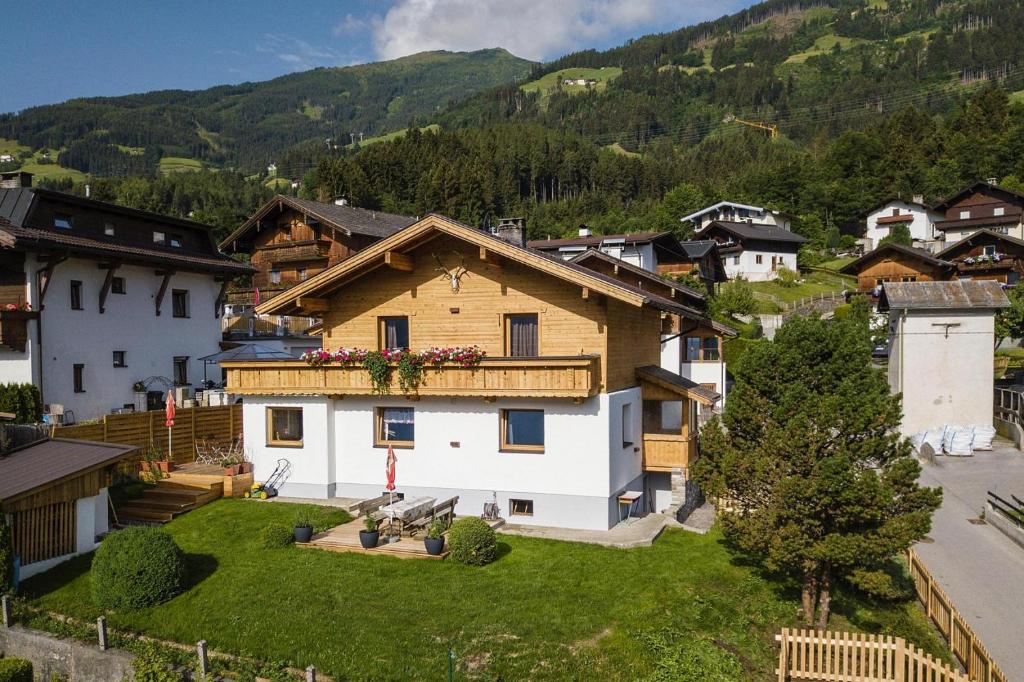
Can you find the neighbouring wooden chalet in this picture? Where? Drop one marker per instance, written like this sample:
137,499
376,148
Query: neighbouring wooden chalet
568,409
288,241
897,263
982,205
986,254
95,297
754,251
652,251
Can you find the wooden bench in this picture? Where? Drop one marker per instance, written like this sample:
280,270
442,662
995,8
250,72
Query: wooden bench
372,505
444,512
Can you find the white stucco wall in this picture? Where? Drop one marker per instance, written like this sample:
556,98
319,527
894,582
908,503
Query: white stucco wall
748,267
920,226
130,324
944,379
572,483
953,236
701,372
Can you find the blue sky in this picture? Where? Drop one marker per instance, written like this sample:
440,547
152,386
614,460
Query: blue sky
61,49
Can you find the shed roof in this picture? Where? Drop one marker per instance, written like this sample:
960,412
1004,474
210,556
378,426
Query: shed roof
37,466
955,295
677,384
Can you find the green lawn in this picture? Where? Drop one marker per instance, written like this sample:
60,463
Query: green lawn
179,164
837,263
548,82
432,128
814,283
545,610
824,45
50,171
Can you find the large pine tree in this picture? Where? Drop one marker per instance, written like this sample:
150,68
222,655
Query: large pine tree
822,486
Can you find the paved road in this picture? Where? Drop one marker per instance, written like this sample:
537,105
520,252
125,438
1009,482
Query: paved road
980,569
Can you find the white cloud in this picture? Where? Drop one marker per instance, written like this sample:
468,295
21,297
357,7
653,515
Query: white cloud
534,29
350,25
298,54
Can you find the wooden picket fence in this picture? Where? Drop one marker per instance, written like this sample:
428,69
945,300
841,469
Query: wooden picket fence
964,643
857,657
220,422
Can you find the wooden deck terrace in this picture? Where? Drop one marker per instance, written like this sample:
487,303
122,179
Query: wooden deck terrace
345,538
575,377
203,475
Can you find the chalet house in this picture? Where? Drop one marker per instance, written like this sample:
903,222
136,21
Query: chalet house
897,263
290,240
986,254
754,252
982,205
915,215
96,297
732,212
568,409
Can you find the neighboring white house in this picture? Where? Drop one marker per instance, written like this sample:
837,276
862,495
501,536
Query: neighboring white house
915,215
96,297
568,410
754,252
730,211
941,336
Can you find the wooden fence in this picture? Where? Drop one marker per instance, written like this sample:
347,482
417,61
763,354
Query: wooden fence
858,657
220,422
962,641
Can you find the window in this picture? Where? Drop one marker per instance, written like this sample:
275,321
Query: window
117,285
394,332
908,278
710,348
521,336
76,295
989,250
735,260
896,211
108,229
275,276
692,344
701,349
964,215
78,376
627,424
520,507
395,426
119,359
181,371
179,302
758,259
998,210
176,240
62,220
284,427
522,430
301,272
159,238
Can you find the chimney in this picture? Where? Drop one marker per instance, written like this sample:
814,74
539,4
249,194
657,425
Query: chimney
88,192
919,199
585,231
341,201
13,179
993,181
511,230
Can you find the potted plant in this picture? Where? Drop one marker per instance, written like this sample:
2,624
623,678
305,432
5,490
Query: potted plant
369,536
303,526
434,541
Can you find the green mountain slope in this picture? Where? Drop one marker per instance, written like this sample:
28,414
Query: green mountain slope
247,125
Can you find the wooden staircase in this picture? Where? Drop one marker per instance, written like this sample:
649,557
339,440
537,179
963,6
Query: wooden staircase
166,500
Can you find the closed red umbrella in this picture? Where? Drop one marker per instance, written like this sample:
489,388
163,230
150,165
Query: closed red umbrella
169,423
390,469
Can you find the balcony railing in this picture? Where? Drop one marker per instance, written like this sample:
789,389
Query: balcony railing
667,451
14,328
242,326
574,377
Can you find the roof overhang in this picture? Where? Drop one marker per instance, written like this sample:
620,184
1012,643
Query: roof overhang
665,381
715,207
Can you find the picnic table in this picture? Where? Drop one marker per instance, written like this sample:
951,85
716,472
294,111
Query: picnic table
405,511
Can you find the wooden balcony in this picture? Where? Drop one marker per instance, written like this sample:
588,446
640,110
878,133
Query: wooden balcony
668,451
14,328
575,377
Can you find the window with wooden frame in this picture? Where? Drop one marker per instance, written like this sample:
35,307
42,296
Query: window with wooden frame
394,426
117,285
78,378
522,335
701,349
908,278
393,332
179,302
76,295
709,349
284,427
275,276
522,430
520,507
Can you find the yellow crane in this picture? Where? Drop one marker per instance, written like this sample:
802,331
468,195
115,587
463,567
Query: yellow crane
773,129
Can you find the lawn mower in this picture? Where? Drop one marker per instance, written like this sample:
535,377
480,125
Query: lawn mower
262,491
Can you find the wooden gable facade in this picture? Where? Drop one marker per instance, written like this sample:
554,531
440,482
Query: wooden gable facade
987,255
896,263
982,205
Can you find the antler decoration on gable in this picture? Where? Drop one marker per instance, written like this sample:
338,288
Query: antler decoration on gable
454,275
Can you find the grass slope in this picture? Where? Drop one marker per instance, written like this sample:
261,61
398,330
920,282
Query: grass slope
551,81
824,45
179,164
545,610
42,163
432,128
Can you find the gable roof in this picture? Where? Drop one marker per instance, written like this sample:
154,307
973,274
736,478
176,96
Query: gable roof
596,240
348,219
854,267
720,204
753,231
374,256
698,248
595,254
969,241
957,294
979,186
36,466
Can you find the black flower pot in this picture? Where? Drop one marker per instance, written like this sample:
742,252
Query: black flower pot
303,533
368,538
434,545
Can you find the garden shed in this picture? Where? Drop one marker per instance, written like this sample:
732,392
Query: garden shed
54,494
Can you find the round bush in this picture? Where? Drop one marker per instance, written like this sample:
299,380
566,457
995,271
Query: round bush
137,567
275,536
15,670
471,541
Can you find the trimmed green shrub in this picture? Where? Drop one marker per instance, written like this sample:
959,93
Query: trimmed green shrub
15,670
276,536
23,400
471,541
787,277
137,567
6,556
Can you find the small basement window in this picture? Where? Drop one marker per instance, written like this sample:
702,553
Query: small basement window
520,507
284,427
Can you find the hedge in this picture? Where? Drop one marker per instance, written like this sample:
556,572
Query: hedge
15,670
471,541
23,400
137,567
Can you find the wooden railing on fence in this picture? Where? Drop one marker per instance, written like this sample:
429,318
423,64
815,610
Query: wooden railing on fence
220,422
964,643
857,657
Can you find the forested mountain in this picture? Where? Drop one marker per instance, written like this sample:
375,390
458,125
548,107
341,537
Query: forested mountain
248,125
